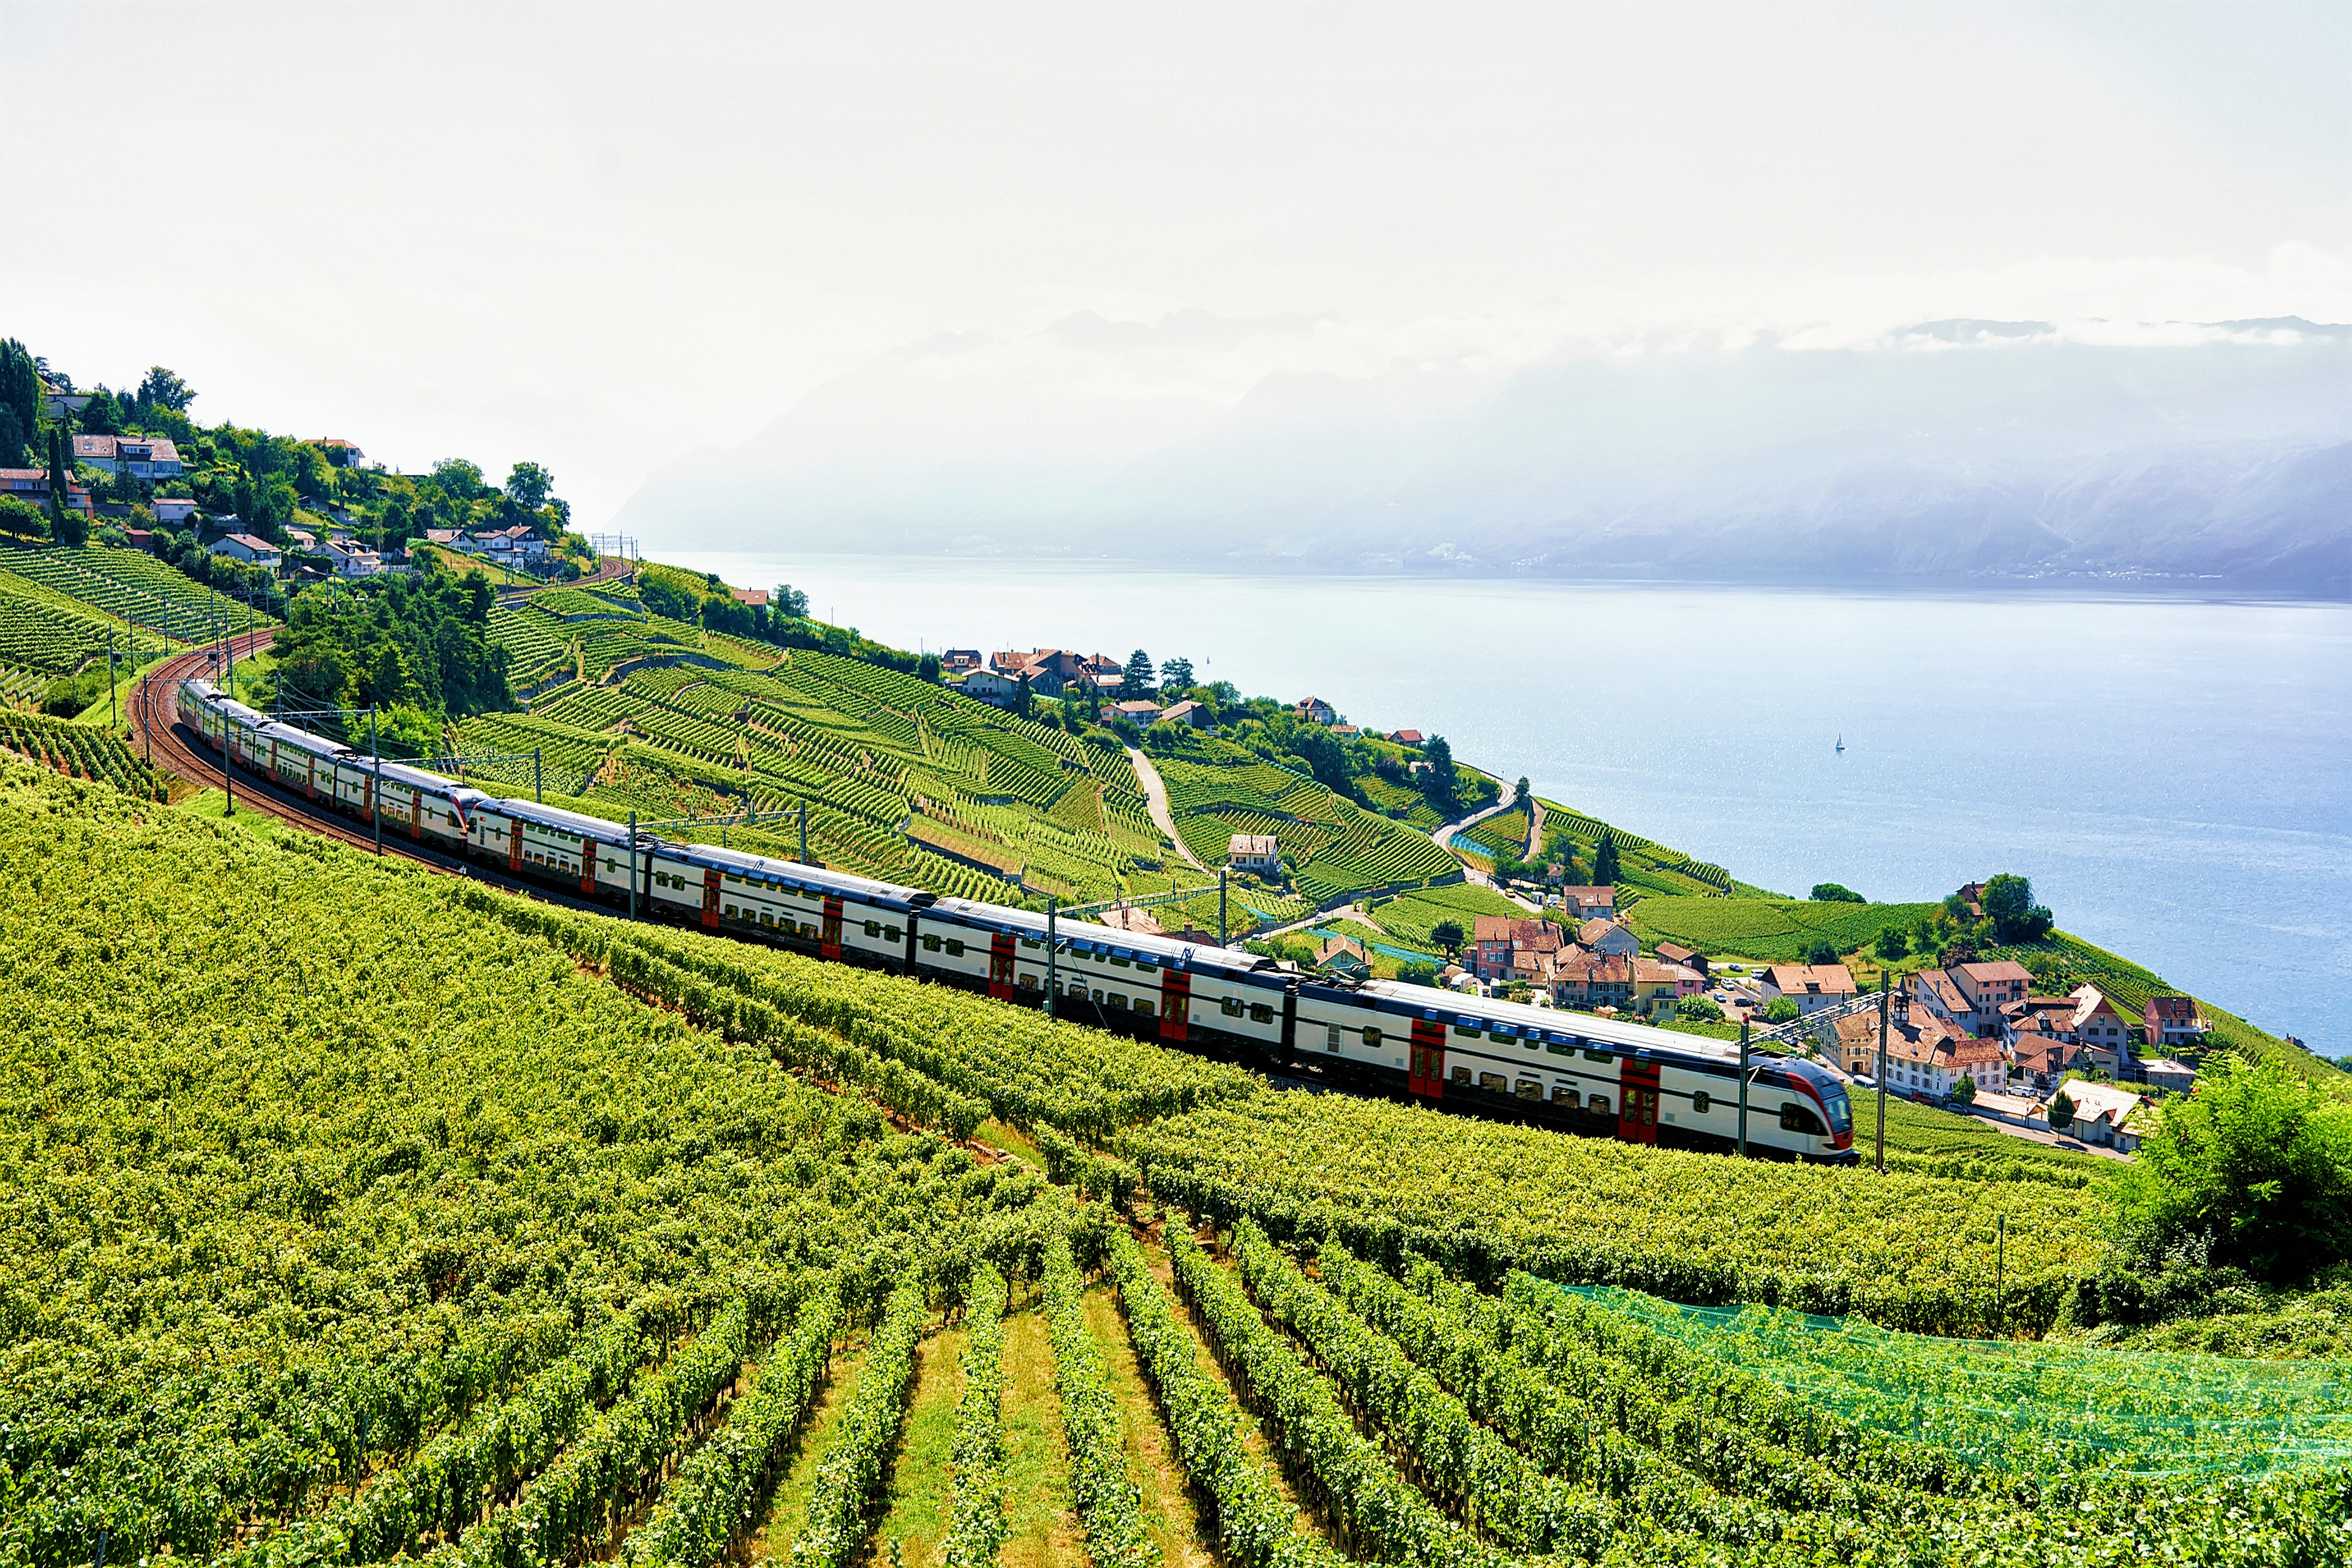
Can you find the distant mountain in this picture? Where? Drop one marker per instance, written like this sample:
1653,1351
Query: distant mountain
2212,454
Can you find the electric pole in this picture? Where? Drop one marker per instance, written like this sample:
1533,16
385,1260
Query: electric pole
375,806
1743,1088
1053,973
1882,1005
633,865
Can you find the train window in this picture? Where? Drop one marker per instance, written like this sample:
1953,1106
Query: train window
1232,1007
1330,1036
955,947
1032,943
1471,1030
1599,1105
1529,1088
730,912
1559,1047
1116,1000
1592,1056
1494,1081
1373,1034
1143,1005
1146,965
767,917
1121,963
1795,1118
1098,998
808,930
1701,1102
930,943
1028,983
1501,1036
1462,1076
1563,1095
890,934
1261,1012
872,928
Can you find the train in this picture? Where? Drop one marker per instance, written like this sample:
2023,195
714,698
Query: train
1491,1058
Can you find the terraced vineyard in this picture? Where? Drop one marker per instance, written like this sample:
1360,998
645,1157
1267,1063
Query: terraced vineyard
81,752
131,584
44,630
1776,931
389,1219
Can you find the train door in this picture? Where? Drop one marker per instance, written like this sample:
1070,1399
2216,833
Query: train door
416,814
514,847
1637,1103
710,896
311,778
1426,1076
828,941
1175,1004
1000,965
588,869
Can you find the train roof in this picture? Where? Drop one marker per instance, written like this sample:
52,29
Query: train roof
1085,936
438,783
797,874
230,707
1551,1023
579,822
308,740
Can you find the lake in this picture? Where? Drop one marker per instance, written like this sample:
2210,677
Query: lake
2171,774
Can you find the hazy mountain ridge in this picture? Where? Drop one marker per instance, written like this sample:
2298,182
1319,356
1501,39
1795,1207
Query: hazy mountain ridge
2218,455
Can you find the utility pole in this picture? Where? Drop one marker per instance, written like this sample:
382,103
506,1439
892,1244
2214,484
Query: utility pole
1882,1005
110,677
1053,972
633,865
535,795
375,804
1221,906
228,758
2000,1247
1743,1089
804,860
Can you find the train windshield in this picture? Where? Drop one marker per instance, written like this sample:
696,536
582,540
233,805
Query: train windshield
1840,1110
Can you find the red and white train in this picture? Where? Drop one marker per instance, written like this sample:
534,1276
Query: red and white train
1499,1058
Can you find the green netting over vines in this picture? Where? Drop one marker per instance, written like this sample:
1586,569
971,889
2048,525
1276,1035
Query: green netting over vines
2025,1406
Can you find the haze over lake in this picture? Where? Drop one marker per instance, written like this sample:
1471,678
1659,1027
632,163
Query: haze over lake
2171,774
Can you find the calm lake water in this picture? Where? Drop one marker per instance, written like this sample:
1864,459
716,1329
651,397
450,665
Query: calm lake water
2171,774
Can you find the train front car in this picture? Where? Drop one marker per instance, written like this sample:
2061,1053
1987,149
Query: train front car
425,807
1817,1120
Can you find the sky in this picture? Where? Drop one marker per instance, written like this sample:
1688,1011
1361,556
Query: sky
606,240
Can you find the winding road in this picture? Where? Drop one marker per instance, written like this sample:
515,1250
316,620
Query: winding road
1155,800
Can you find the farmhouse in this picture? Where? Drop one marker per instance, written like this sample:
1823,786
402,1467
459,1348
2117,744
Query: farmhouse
2170,1021
1811,987
1257,852
1588,903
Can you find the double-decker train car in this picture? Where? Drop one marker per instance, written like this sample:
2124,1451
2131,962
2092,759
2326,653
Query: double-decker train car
1575,1072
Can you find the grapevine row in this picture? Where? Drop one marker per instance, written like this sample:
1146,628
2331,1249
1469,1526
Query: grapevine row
851,1472
1107,1502
976,1526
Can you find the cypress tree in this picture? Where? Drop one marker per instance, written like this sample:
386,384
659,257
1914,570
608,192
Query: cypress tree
1604,861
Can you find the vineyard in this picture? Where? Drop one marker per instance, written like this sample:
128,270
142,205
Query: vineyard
83,752
1773,930
44,630
361,1216
131,584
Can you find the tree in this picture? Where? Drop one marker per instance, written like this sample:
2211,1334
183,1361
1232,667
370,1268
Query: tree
1448,935
1135,681
1698,1010
1965,1092
927,669
22,519
1520,793
100,415
1417,973
161,389
1836,893
1325,758
1176,675
13,438
2009,904
2062,1112
1781,1011
1892,943
788,601
460,481
1820,952
1438,785
2256,1166
529,486
1605,869
20,388
1024,701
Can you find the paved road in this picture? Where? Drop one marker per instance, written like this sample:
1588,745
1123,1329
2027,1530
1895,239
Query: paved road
1155,800
1443,840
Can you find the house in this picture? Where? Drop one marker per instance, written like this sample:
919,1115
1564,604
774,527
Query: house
54,402
757,598
141,457
2106,1114
2039,1060
1658,986
1490,947
1315,710
139,538
2163,1072
2099,1029
1141,714
1932,992
351,560
1258,852
171,509
2169,1021
1922,1052
1811,987
1687,981
1972,895
32,485
1190,714
988,686
1407,737
1041,679
1582,904
959,659
1676,953
245,547
1989,987
1589,980
1344,957
1609,937
340,452
301,538
1010,661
